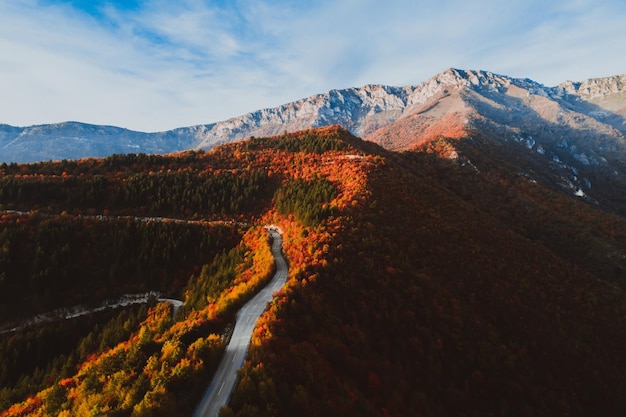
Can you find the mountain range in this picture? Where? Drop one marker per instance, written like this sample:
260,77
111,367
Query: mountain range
395,117
572,134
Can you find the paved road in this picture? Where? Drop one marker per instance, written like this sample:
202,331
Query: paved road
218,393
68,313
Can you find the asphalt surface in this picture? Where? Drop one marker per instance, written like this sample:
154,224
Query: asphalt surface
218,393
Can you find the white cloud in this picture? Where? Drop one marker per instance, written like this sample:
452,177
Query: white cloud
168,64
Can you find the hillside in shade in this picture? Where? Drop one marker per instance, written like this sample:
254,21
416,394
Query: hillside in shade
462,276
451,286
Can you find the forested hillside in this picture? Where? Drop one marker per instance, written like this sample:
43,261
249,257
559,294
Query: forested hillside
419,284
446,288
187,226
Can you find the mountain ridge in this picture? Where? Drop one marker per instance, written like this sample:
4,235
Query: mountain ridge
361,110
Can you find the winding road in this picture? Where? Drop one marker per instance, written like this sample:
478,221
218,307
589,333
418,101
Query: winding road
218,393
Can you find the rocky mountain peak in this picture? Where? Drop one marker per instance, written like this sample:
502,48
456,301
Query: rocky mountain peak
595,88
467,78
457,79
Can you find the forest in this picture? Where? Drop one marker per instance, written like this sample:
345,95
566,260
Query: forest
81,233
418,284
440,290
162,193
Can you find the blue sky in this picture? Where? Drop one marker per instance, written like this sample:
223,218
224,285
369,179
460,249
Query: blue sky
153,65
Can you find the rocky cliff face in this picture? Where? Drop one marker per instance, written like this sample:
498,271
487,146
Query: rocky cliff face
594,87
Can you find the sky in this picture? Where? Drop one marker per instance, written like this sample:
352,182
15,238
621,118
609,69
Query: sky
154,65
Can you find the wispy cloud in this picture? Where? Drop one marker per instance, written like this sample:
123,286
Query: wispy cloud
158,64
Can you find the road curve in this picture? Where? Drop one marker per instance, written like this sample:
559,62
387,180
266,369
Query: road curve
218,393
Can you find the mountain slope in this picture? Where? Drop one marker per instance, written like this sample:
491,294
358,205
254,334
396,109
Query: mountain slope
480,99
554,135
424,298
77,232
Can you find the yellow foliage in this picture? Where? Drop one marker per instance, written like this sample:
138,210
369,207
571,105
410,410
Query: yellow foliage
171,351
